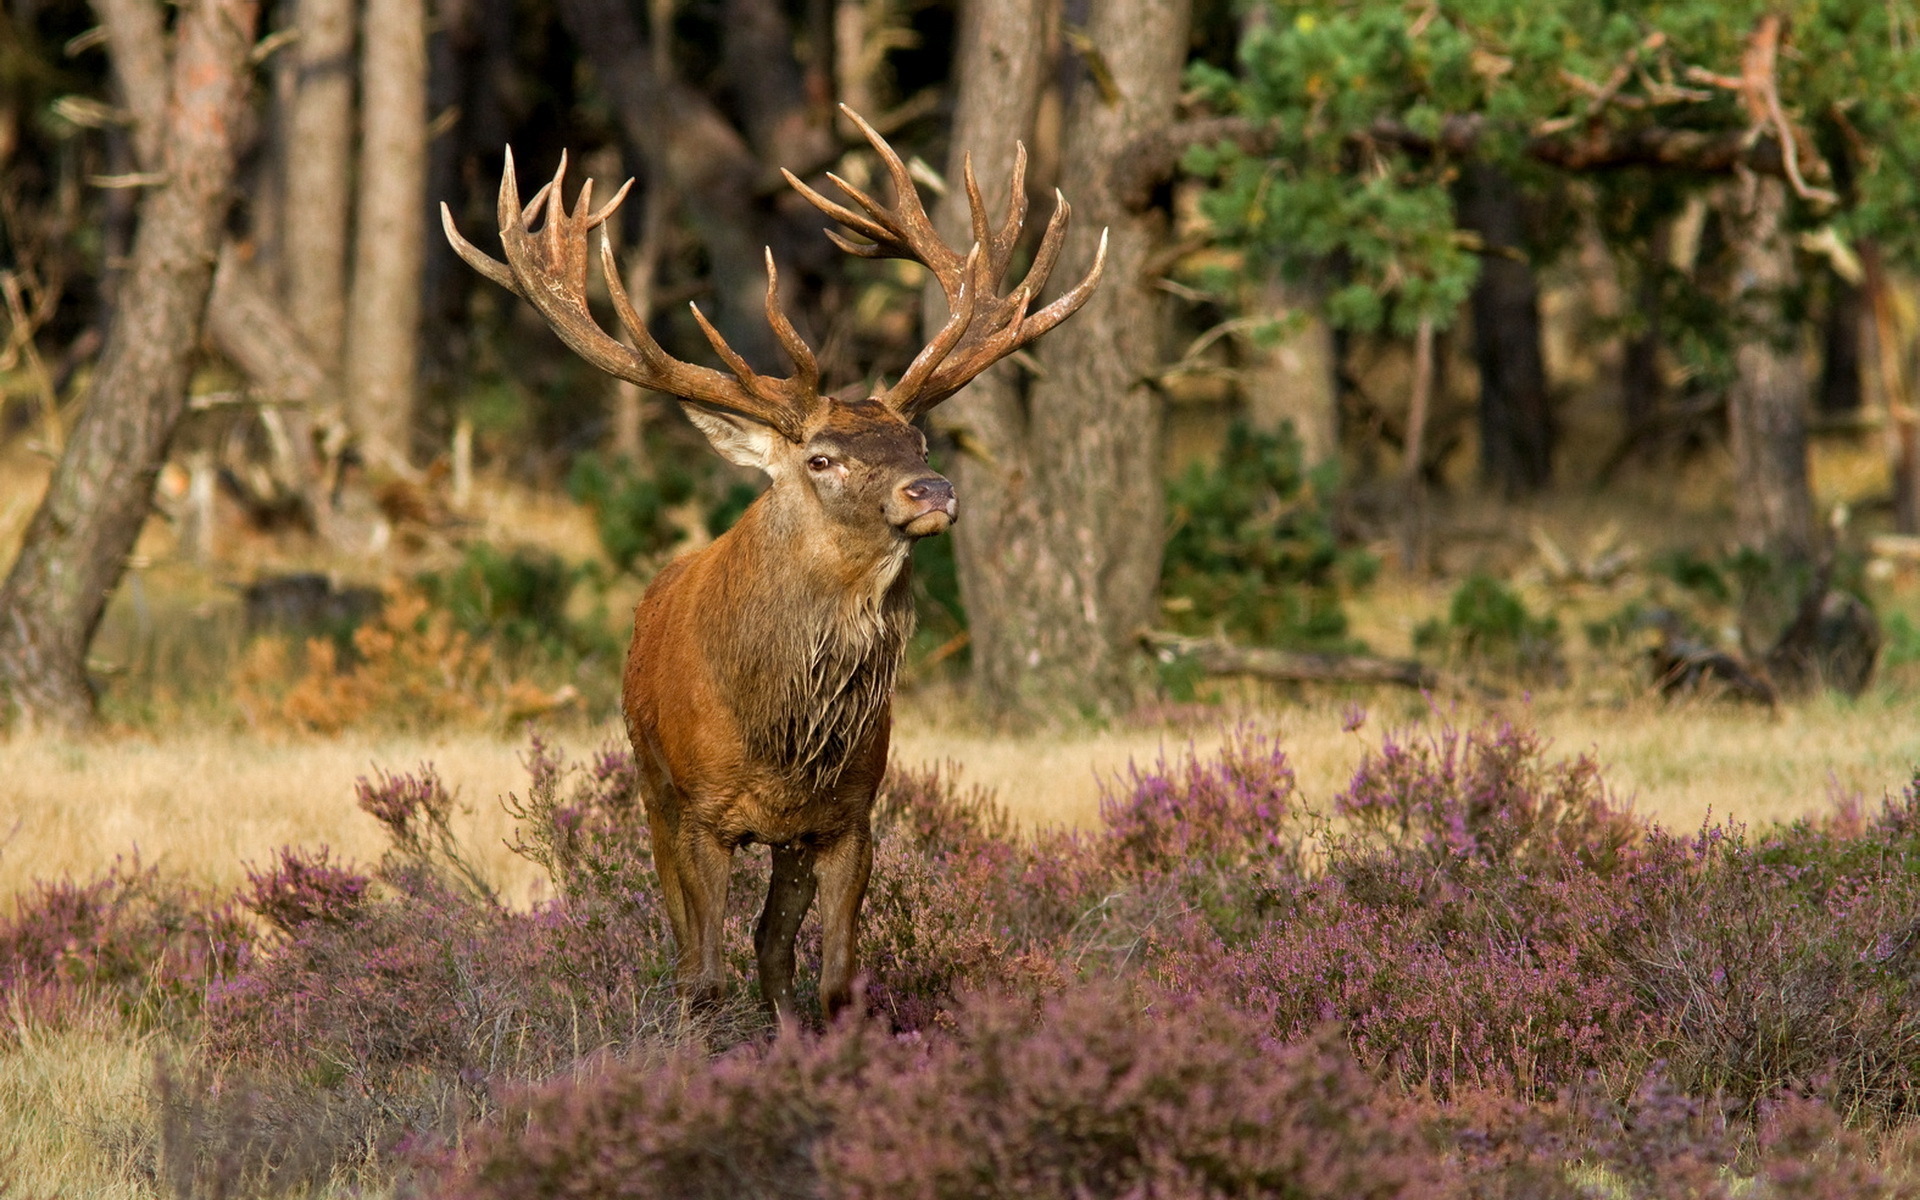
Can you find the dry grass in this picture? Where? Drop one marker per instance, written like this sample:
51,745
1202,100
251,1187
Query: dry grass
207,804
78,1108
204,805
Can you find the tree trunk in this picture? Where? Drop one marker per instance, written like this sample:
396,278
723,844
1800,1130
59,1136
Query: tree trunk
1641,383
383,322
1001,67
320,178
1767,406
1071,537
1293,381
77,544
1516,425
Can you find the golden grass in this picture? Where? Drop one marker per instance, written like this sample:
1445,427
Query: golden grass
78,1105
206,805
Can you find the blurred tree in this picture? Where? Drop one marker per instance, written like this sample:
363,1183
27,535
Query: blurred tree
77,544
319,182
383,315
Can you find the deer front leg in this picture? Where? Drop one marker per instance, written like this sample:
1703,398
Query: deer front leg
702,864
789,894
842,868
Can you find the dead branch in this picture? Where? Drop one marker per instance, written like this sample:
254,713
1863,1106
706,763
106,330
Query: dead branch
1217,656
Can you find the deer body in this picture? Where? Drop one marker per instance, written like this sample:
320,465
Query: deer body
759,686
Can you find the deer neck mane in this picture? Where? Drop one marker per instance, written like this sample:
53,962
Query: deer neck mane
811,639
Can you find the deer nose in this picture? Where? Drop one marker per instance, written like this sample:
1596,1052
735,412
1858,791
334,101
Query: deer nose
932,493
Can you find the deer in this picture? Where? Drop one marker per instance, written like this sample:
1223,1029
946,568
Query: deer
758,689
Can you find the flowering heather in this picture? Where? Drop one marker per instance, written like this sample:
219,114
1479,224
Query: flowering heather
303,886
1489,795
1100,1093
144,944
1224,813
1494,982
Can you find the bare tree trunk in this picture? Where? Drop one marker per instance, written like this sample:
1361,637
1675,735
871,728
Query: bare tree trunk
1516,425
1767,407
1903,430
769,90
1293,381
243,322
1641,382
77,544
1061,552
383,320
320,178
1002,65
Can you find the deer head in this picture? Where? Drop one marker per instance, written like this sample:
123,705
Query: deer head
849,454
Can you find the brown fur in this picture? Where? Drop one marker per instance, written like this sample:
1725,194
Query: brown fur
758,694
759,687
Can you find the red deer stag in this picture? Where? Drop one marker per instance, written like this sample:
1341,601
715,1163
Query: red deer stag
759,688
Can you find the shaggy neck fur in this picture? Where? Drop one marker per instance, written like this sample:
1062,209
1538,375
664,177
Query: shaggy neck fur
813,635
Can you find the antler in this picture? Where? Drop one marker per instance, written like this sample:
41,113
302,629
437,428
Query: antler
548,267
984,326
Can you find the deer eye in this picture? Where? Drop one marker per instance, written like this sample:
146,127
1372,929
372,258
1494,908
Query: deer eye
819,462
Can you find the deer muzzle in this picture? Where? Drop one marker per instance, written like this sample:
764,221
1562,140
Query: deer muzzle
929,507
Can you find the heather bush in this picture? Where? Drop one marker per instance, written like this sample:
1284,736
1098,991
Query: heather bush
1489,797
1099,1093
1486,979
142,943
302,886
1787,962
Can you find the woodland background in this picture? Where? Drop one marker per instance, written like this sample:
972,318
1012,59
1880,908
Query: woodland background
1386,279
1492,452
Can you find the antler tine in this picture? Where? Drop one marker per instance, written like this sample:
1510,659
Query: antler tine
906,197
806,367
914,380
1006,331
1001,242
865,226
549,269
742,371
474,256
607,210
1051,242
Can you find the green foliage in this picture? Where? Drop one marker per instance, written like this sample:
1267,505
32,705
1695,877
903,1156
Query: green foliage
1902,646
517,598
630,509
1488,625
1357,95
1253,550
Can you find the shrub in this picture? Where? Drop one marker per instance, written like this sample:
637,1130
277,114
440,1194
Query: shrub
1488,626
1489,796
517,599
1253,549
411,668
144,944
303,886
630,510
1098,1093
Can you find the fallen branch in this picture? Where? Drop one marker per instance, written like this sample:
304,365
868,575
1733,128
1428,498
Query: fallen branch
1217,656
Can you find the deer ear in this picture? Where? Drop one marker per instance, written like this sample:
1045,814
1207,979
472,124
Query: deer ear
740,440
